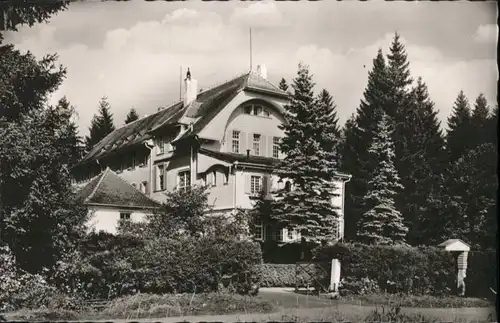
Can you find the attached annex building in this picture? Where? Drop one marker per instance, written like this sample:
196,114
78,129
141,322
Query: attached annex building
226,137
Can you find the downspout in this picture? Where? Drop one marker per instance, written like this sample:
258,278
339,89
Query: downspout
235,167
150,146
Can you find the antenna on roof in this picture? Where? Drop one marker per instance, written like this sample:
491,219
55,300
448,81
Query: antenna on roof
250,49
180,85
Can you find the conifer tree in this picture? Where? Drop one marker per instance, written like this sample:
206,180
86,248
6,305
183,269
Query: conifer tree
421,158
70,140
479,121
358,135
131,116
329,136
307,207
40,219
101,125
458,137
283,85
382,223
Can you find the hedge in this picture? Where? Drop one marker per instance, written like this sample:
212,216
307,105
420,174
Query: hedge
281,275
482,273
124,265
392,269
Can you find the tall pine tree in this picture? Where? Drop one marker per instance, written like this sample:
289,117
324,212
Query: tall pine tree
329,136
101,125
420,160
458,137
382,223
70,140
307,207
358,135
479,121
131,116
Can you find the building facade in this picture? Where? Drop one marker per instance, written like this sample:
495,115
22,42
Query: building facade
226,138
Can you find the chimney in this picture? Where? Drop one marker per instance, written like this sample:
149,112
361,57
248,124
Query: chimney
190,89
262,71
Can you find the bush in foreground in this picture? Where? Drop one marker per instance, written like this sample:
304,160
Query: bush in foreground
392,269
113,266
282,275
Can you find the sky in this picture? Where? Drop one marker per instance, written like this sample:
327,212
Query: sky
132,52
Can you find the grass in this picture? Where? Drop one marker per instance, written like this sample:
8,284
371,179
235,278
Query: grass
277,306
289,299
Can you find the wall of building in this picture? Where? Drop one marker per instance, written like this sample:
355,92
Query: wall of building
106,219
247,125
172,168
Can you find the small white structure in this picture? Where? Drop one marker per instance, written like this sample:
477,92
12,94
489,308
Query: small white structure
111,199
335,276
462,249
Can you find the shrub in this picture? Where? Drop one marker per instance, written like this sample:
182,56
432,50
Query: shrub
161,265
19,289
282,275
394,269
482,273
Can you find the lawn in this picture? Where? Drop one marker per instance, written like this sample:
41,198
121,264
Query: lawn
274,305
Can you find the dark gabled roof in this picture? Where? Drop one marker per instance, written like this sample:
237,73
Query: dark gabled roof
109,189
134,132
207,105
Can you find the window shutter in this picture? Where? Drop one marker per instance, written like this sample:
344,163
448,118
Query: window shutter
269,184
243,143
270,146
263,146
247,184
229,141
265,184
250,143
155,178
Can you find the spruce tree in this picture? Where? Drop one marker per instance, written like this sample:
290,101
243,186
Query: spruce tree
382,223
70,140
479,121
458,137
283,85
421,159
101,125
131,116
358,135
308,206
329,136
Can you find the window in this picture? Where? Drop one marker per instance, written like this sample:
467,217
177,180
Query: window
248,109
290,233
160,178
278,234
236,142
256,144
214,176
161,146
259,231
266,113
124,216
184,180
276,147
257,110
288,186
255,184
